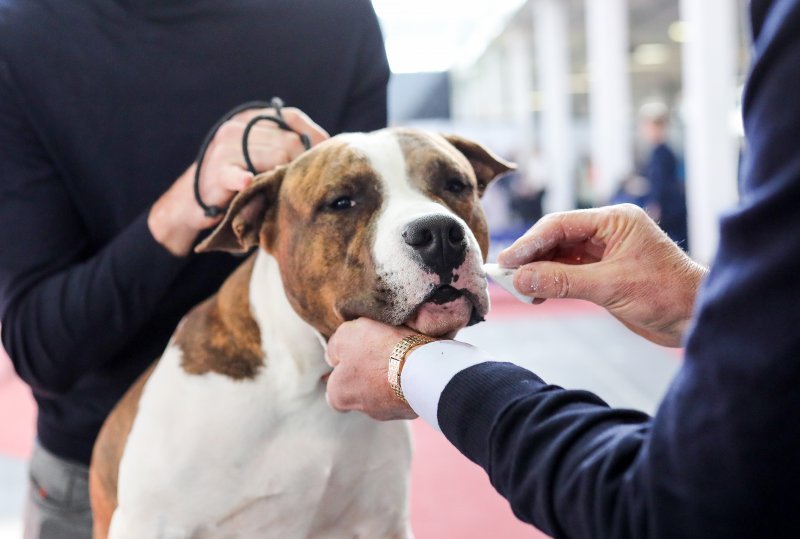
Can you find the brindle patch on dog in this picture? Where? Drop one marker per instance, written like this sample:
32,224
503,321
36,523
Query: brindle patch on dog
220,335
324,251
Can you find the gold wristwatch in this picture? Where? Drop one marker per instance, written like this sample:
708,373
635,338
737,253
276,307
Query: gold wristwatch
398,359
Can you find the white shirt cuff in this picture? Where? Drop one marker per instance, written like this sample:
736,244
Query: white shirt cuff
429,368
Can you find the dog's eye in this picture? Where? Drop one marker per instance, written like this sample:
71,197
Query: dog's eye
454,185
342,203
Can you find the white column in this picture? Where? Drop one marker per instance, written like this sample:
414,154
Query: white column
609,94
709,86
496,91
520,85
551,28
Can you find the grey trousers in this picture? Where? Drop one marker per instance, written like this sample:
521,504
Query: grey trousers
58,498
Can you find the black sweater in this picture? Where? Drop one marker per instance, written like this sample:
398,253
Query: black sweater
103,104
721,457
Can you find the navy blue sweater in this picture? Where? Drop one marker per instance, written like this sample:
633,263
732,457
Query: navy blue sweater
103,104
721,457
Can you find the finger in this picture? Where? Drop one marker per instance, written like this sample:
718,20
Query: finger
268,134
286,141
300,122
331,359
266,158
234,179
548,234
294,118
265,126
552,280
220,184
338,398
247,115
337,343
331,397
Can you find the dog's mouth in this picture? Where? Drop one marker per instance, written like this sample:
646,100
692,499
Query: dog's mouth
444,311
443,294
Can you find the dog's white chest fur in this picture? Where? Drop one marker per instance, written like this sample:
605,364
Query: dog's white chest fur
212,457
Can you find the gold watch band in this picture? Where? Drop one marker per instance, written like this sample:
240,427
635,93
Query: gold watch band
398,358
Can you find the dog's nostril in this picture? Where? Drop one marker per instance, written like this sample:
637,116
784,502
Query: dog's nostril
456,233
417,236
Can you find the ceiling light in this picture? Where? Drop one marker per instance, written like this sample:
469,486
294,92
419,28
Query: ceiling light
433,35
679,31
651,54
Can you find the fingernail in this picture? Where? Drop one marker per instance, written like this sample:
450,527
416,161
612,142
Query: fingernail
527,280
506,258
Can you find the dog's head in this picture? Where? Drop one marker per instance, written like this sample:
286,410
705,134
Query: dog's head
385,225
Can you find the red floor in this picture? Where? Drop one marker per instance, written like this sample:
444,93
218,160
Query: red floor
450,496
17,413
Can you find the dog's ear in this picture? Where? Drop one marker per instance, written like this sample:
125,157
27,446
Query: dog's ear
240,229
487,166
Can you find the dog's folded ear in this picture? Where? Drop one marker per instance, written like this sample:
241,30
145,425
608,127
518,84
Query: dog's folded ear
240,229
487,165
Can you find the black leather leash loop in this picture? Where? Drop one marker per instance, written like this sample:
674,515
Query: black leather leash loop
280,123
277,104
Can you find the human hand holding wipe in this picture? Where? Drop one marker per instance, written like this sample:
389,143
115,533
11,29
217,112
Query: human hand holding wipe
616,257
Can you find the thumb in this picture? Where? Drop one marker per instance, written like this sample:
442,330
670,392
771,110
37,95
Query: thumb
553,280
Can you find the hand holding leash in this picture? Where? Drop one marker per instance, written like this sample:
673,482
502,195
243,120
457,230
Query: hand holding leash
250,114
247,141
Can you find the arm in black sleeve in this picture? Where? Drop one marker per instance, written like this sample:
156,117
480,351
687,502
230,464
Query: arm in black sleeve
720,457
365,108
61,305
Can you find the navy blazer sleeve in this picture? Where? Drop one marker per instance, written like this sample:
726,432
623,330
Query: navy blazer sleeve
721,456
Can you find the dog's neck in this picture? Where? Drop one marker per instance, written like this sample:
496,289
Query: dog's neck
294,350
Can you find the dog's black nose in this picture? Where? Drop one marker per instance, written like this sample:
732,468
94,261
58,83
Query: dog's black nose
440,242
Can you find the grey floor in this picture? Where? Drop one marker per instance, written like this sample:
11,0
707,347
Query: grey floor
12,487
586,351
593,352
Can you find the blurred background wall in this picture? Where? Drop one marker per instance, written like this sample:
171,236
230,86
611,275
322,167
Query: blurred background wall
559,85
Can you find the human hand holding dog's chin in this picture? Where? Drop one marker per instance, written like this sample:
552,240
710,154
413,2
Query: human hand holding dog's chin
616,257
175,219
359,353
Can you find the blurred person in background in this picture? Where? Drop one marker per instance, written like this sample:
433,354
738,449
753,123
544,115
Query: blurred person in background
527,190
103,106
635,189
666,201
720,457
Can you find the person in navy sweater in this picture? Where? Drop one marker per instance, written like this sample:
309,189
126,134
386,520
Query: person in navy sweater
103,106
666,200
721,456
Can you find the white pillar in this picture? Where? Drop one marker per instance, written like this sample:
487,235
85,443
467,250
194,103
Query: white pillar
610,108
520,85
551,28
709,83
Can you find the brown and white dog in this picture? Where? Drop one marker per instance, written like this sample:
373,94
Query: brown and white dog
229,434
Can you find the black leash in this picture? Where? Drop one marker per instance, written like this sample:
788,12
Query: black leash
277,104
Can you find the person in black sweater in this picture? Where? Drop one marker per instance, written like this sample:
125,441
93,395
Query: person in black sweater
720,458
103,106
